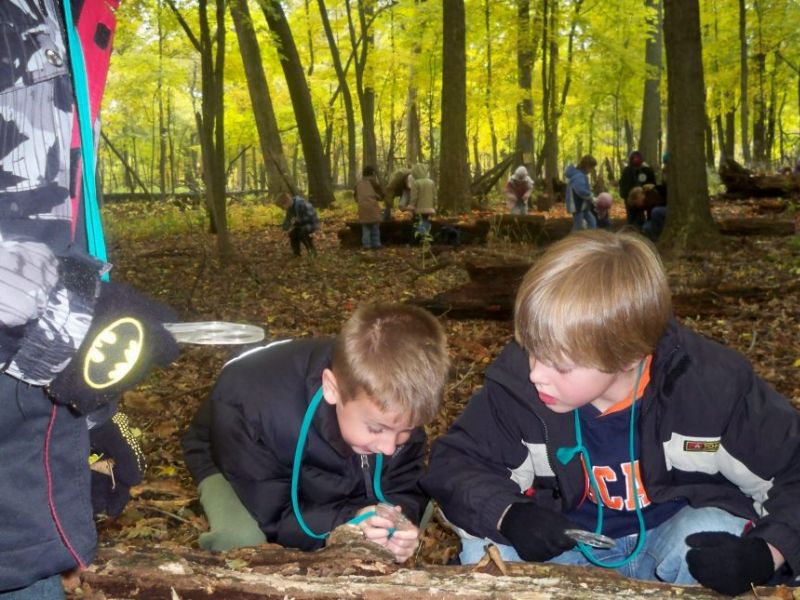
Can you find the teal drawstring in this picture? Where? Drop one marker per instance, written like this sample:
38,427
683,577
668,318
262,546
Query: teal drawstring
298,459
80,83
566,454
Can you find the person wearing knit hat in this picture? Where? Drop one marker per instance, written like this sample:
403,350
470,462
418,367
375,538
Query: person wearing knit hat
518,190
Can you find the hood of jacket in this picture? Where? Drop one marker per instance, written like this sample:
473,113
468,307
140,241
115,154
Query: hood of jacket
419,171
571,171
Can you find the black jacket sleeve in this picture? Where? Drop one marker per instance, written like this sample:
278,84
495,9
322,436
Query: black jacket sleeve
197,445
763,435
469,474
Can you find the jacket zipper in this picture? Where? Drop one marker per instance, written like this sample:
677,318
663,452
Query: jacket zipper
367,475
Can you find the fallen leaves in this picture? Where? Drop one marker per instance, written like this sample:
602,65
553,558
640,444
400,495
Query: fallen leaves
308,296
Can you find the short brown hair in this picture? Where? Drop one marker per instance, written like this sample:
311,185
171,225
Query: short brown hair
396,354
587,163
283,199
596,299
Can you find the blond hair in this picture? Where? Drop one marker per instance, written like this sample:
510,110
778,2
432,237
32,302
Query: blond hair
594,299
397,355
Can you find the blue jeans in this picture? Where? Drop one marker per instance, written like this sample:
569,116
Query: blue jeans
520,208
583,215
370,235
654,227
44,589
423,225
663,557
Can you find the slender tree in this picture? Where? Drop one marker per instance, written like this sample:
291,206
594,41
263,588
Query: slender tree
211,118
278,177
524,145
347,99
744,110
454,194
651,106
689,224
318,171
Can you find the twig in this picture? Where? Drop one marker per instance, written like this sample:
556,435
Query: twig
753,341
169,514
461,380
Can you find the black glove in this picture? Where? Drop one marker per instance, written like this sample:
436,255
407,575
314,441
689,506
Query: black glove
727,563
124,464
536,533
125,341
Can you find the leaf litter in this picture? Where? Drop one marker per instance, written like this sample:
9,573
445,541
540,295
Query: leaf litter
311,296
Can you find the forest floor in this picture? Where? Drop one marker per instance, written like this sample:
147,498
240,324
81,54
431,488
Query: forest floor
265,285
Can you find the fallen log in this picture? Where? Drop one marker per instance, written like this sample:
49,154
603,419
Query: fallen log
272,572
535,229
401,232
491,290
743,183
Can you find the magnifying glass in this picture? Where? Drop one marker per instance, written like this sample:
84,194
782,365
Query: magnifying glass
595,540
215,333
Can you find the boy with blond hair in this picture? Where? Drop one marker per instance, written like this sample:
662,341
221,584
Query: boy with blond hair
301,436
606,416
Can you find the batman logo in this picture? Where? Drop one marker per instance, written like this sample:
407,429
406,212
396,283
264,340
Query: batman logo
113,353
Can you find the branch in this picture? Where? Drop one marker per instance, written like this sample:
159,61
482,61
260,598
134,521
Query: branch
185,26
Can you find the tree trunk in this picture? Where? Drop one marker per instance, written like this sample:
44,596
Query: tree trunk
162,133
364,84
651,106
524,142
278,177
210,120
689,224
454,193
760,120
744,112
487,98
366,10
709,146
550,40
320,191
346,97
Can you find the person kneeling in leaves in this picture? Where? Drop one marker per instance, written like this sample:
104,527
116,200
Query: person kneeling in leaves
301,436
607,416
117,464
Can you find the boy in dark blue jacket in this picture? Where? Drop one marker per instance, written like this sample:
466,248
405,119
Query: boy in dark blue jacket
274,462
606,416
301,221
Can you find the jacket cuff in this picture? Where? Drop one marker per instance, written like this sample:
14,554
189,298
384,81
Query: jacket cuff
785,539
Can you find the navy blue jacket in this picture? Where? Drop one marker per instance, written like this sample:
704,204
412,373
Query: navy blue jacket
712,433
30,545
248,428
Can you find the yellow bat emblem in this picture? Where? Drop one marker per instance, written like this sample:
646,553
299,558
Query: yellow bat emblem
113,353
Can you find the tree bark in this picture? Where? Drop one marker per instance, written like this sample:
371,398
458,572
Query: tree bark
689,224
524,141
744,111
278,177
320,191
454,195
346,96
355,571
651,106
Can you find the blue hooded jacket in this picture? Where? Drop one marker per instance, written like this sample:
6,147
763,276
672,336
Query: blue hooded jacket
578,190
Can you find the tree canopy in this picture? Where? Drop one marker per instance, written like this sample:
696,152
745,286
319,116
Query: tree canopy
584,93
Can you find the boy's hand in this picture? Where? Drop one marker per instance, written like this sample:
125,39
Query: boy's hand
536,533
727,563
402,542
